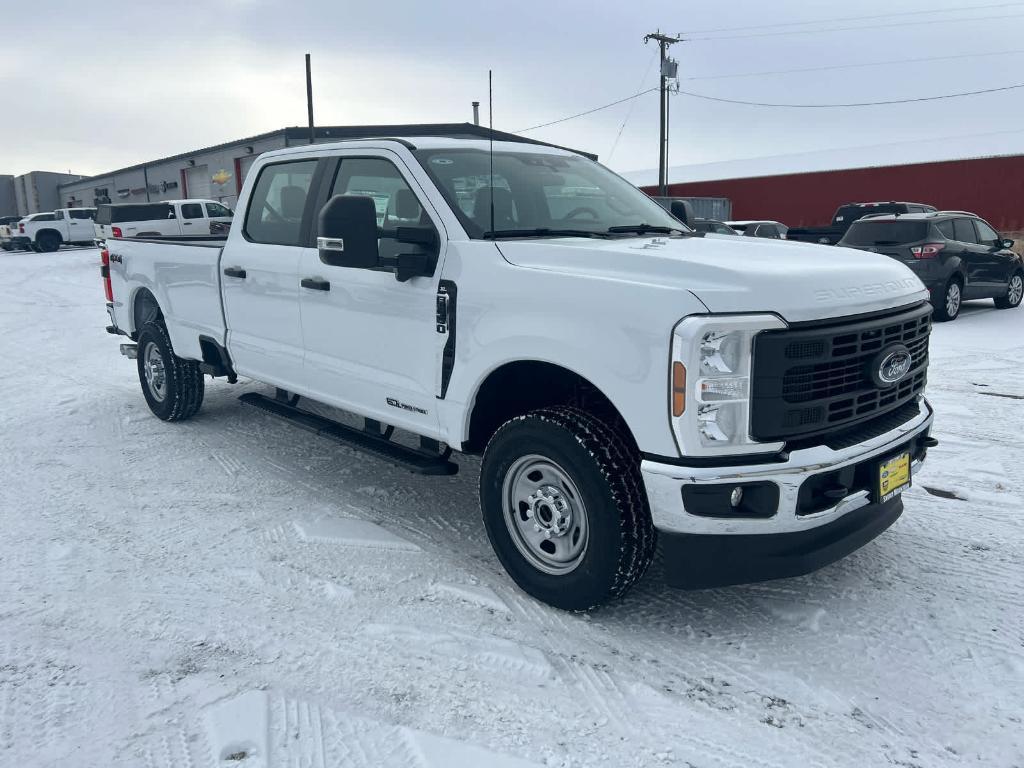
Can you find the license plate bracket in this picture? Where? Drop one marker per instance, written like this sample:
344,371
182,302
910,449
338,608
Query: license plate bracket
893,477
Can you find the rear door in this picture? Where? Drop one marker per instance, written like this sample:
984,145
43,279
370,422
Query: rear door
260,276
193,219
80,225
371,341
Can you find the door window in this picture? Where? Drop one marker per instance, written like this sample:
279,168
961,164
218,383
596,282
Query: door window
946,228
963,231
59,215
380,180
216,210
191,211
986,235
82,213
278,202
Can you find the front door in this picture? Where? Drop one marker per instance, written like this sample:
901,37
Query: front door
975,258
261,277
371,341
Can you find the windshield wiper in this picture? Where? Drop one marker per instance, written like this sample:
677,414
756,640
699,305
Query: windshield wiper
643,229
502,234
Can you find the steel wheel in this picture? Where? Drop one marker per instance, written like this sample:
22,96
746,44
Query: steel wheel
953,299
155,372
545,515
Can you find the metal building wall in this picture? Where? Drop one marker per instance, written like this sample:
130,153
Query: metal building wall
991,187
8,203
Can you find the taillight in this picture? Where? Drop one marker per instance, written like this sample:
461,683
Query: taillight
929,251
116,231
108,288
21,228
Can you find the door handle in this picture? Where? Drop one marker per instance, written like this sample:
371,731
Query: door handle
315,284
186,223
234,272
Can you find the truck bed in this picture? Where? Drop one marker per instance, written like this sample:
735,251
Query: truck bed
183,273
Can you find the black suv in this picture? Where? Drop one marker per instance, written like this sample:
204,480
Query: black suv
956,254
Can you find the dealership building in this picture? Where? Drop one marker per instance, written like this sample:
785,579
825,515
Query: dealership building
217,172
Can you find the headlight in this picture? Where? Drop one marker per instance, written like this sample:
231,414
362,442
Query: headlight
710,384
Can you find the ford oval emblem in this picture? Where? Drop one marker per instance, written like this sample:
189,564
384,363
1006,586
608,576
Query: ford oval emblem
890,365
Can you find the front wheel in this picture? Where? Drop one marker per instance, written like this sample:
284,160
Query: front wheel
947,302
565,508
1014,293
173,387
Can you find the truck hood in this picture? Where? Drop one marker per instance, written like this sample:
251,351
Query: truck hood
797,281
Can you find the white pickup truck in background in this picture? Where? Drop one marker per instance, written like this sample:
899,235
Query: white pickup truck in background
170,218
49,231
754,406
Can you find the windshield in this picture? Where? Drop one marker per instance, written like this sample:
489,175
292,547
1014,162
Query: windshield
535,192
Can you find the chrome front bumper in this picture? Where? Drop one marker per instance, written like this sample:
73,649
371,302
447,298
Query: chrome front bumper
664,483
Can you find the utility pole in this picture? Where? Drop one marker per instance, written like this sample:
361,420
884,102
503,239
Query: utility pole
476,113
309,98
668,72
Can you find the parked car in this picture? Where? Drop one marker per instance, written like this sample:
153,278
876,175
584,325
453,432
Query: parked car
69,226
8,229
957,255
847,214
164,219
710,226
623,380
770,229
28,227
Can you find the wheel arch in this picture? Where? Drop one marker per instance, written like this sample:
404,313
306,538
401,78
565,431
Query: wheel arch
518,386
145,307
47,231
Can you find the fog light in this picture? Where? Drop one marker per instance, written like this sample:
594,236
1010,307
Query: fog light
736,497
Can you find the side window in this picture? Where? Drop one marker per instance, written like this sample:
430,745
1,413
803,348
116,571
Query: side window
987,235
82,213
215,210
946,228
963,231
59,215
191,210
379,179
277,203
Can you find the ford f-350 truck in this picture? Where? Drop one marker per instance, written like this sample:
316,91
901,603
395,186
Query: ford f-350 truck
752,407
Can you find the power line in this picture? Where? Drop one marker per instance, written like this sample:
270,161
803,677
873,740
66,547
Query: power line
958,9
849,29
588,112
856,104
855,66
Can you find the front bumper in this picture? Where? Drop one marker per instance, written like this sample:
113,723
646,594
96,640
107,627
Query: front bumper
797,520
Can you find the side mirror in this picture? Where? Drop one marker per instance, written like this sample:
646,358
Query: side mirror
683,211
347,232
1007,244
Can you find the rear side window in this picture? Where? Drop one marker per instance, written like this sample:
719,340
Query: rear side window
896,232
217,210
191,210
946,229
277,203
963,231
81,213
142,212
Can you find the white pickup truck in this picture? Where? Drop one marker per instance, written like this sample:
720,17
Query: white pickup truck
754,406
170,218
49,231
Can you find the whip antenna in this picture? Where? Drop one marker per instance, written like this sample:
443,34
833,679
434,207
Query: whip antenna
490,110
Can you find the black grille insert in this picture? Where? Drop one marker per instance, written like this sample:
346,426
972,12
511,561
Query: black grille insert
815,380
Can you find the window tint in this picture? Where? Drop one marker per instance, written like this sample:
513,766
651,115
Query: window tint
887,232
986,234
963,231
82,213
118,214
397,205
44,217
216,209
721,229
277,203
946,229
191,210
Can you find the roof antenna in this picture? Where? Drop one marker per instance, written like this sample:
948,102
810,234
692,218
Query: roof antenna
490,111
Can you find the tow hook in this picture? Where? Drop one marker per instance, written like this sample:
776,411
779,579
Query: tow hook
131,351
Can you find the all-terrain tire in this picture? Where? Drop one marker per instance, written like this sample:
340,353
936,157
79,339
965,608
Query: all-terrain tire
602,464
946,304
179,394
1014,292
48,242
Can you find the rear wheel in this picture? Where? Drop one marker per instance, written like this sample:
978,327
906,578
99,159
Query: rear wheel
565,508
1014,293
947,303
48,242
173,387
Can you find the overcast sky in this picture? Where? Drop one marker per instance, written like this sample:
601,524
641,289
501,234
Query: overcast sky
97,86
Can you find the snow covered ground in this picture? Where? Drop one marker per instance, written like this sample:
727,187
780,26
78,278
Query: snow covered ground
234,592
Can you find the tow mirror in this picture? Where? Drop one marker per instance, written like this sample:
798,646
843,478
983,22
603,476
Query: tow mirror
683,211
347,232
1007,244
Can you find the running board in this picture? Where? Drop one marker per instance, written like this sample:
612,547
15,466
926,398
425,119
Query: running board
422,462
